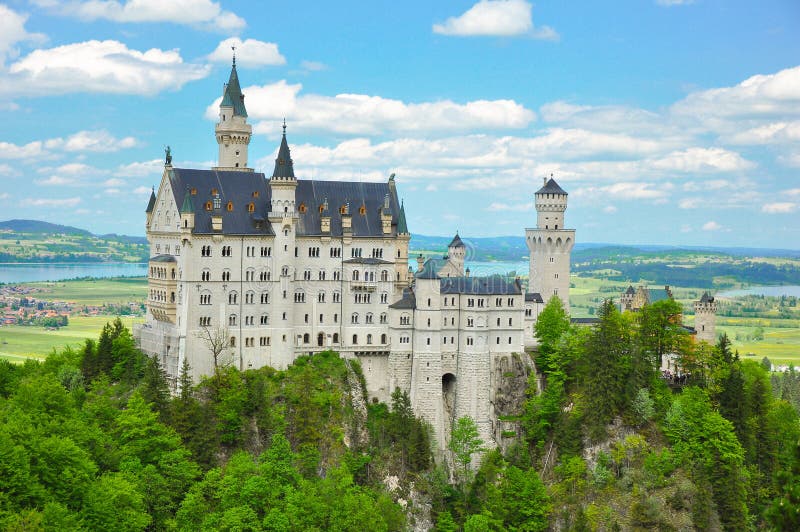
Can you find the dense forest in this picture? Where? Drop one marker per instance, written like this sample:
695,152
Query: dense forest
91,439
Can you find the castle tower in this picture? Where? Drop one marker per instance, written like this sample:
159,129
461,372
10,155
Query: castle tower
232,131
284,217
705,319
550,244
456,253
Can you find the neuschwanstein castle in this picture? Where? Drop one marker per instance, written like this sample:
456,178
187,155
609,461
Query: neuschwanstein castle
273,267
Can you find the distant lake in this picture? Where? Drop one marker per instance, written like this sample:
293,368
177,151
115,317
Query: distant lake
775,291
26,273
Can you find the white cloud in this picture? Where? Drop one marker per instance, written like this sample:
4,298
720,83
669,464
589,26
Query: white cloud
633,191
49,202
55,180
610,209
313,66
791,192
153,167
703,160
199,13
501,18
249,53
4,195
12,31
360,114
670,3
689,203
712,226
14,151
772,133
513,207
141,191
113,182
75,169
100,66
91,141
761,96
779,207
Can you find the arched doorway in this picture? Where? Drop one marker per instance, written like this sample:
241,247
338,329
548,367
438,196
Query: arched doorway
449,397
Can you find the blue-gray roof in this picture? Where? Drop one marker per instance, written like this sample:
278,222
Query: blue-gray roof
408,301
535,297
490,285
152,203
242,188
284,167
456,242
163,258
551,187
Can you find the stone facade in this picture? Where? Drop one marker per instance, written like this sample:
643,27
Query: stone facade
280,267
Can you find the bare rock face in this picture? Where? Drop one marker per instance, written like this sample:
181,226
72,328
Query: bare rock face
511,383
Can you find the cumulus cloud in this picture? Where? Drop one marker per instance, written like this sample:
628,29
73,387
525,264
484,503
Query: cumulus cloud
779,207
199,13
50,202
91,141
761,96
12,31
249,53
100,66
500,18
703,160
55,180
141,191
361,114
152,167
711,226
313,66
9,150
513,207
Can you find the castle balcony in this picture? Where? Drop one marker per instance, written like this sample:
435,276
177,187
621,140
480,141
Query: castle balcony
162,310
283,217
363,286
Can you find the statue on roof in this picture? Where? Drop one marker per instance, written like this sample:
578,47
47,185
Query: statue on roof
168,156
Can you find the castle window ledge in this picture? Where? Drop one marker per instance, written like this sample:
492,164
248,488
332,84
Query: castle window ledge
377,351
363,286
162,310
280,215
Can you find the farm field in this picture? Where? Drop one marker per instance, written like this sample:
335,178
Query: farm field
94,292
18,342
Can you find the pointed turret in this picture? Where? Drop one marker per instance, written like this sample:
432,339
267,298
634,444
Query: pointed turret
402,227
456,242
232,131
232,94
188,206
284,168
152,203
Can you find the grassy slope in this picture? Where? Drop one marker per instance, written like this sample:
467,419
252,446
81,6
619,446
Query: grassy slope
95,292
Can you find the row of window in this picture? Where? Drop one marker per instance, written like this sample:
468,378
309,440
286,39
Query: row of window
266,251
167,248
368,318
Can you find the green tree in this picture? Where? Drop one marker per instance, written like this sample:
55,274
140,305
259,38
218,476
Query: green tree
551,324
465,442
113,503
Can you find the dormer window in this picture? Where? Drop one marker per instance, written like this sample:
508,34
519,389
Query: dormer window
214,192
193,191
255,194
321,208
302,208
208,206
230,206
343,209
251,207
362,210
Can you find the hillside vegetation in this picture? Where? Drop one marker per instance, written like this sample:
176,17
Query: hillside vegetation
35,241
90,439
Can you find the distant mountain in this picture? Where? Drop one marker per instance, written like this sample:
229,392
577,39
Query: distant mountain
35,241
37,226
512,248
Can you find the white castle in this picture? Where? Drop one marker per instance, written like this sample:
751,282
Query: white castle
277,267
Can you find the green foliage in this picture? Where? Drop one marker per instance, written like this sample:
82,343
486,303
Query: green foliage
643,406
465,442
551,324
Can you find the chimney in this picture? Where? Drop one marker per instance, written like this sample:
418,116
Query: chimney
420,262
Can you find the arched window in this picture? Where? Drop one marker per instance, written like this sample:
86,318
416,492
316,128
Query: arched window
302,208
306,338
251,207
230,206
335,338
208,206
383,338
233,297
355,339
355,275
232,319
369,339
354,317
384,275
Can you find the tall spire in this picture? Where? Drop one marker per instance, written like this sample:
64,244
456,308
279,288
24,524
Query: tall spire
283,163
232,96
152,203
402,227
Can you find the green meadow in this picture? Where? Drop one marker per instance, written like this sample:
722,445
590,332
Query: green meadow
95,291
19,342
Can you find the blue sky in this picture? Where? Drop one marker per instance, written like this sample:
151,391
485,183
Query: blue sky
667,121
